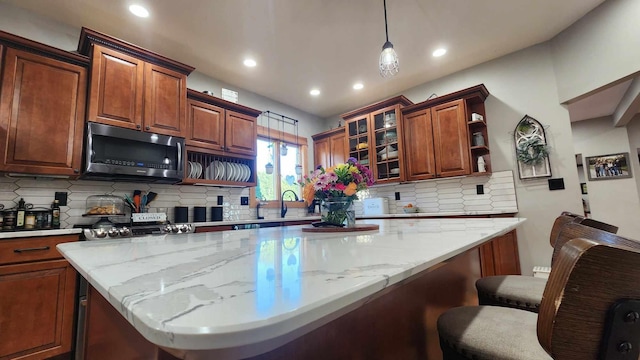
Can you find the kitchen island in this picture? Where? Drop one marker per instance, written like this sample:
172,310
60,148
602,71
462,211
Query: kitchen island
285,293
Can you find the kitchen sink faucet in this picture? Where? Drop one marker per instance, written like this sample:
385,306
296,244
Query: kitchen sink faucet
283,207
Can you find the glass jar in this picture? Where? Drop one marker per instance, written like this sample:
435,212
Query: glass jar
30,220
338,211
478,139
105,205
9,220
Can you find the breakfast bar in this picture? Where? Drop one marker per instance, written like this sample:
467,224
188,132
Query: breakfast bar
281,292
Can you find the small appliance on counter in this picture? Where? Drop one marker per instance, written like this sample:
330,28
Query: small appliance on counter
375,206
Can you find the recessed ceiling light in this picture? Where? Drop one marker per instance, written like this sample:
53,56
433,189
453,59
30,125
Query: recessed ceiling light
139,11
439,52
358,86
249,63
314,92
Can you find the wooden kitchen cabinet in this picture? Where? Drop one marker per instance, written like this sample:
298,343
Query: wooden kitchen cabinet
329,147
134,88
220,131
438,133
38,298
500,256
374,138
220,125
43,96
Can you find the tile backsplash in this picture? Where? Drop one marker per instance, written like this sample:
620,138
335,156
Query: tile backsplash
446,195
40,193
450,195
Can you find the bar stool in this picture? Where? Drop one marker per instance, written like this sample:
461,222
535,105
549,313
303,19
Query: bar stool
589,279
525,292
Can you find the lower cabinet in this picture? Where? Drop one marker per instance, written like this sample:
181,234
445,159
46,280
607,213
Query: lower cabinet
500,256
37,299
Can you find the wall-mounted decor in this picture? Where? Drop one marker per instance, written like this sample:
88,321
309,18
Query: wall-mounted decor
608,167
532,151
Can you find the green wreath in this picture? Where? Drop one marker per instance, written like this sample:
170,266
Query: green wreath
532,151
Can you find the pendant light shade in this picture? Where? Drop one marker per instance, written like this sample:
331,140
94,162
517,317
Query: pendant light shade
388,63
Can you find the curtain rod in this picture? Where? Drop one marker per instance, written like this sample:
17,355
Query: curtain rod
282,118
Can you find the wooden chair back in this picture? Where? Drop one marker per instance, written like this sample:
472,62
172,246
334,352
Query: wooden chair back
589,277
564,218
574,230
567,217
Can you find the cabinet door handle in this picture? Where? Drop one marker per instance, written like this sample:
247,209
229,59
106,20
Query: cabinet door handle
31,249
138,126
148,128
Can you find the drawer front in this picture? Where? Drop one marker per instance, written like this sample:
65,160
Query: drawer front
14,251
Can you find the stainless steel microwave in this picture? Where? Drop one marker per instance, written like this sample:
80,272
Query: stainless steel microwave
119,154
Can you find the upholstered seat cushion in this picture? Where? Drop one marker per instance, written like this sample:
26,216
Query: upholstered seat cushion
522,292
490,333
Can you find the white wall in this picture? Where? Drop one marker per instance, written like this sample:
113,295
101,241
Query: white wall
598,49
613,201
633,131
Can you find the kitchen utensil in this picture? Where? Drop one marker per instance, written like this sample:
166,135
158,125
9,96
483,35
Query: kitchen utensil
151,196
136,199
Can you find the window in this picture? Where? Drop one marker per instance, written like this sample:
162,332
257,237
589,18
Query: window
269,187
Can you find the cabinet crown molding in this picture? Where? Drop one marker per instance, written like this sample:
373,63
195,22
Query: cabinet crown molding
199,96
401,100
479,91
90,37
24,44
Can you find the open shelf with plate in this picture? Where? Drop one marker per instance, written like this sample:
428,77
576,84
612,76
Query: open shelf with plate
203,168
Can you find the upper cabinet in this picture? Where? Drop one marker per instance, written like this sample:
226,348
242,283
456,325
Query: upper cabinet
221,140
134,88
43,97
330,147
439,135
374,138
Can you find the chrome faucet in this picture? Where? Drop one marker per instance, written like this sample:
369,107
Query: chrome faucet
283,207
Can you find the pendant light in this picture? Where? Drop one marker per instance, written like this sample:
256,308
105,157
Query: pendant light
269,167
299,155
283,148
388,58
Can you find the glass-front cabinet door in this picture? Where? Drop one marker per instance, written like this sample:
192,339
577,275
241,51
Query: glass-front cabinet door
358,132
387,148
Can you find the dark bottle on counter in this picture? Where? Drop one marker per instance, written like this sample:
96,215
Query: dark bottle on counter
55,215
20,214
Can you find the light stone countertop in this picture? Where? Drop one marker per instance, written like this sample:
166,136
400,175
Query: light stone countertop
221,290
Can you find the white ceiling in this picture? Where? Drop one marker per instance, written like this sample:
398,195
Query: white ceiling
328,44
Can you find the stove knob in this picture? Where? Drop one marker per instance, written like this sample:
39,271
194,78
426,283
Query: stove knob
187,228
113,232
99,233
174,229
166,229
124,231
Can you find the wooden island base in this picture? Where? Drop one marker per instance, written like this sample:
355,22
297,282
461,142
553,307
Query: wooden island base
396,323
